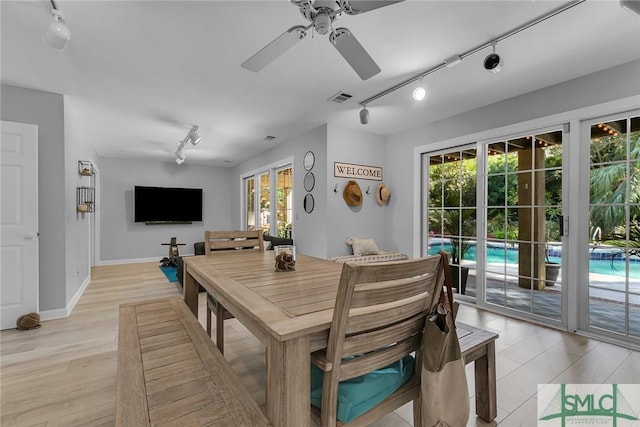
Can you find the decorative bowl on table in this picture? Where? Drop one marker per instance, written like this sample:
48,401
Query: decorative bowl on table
285,256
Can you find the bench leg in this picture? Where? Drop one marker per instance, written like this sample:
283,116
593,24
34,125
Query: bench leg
209,321
220,327
485,372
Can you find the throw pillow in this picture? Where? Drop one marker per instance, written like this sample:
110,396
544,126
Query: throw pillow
363,246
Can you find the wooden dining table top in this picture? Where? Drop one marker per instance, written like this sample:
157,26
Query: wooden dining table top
287,304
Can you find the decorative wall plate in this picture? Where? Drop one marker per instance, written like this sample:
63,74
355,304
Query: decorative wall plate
309,160
308,203
309,181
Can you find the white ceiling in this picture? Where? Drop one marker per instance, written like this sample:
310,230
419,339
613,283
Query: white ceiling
137,74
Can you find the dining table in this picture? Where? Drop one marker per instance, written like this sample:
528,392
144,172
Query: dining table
288,311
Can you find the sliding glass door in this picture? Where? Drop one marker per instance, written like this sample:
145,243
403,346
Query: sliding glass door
610,297
497,208
524,224
451,213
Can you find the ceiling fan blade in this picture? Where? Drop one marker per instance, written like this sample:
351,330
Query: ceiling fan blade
273,50
353,52
354,7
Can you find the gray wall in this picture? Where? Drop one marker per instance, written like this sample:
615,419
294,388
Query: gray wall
369,219
323,232
612,84
46,110
78,226
122,239
309,229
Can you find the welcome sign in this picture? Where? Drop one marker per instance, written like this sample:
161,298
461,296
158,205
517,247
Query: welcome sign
351,170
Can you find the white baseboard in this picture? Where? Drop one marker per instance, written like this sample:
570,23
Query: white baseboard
53,314
65,312
134,260
129,261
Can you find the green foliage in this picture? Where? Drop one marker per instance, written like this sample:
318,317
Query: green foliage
618,238
609,181
453,187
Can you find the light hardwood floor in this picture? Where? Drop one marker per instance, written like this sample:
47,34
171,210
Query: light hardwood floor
64,374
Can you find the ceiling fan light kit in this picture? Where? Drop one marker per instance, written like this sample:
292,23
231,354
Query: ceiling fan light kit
321,14
57,34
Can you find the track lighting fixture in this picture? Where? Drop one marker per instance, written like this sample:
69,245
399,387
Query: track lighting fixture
193,137
420,92
493,62
58,34
364,115
632,6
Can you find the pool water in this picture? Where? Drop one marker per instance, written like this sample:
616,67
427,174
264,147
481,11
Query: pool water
508,255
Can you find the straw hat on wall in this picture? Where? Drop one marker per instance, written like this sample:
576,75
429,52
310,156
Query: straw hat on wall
352,194
382,194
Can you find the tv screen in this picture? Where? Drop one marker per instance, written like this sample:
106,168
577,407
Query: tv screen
167,205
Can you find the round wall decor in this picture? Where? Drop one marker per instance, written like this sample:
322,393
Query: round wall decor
309,181
309,160
308,203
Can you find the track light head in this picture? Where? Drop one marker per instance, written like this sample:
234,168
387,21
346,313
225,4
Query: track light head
179,157
364,116
419,93
493,62
58,34
193,135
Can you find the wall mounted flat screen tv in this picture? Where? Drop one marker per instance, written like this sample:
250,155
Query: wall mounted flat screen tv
166,205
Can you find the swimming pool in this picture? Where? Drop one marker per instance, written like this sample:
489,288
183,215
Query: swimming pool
599,263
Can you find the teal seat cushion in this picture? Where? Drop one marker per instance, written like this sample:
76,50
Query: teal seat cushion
357,395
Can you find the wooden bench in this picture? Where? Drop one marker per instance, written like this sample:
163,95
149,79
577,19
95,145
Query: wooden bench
478,345
170,372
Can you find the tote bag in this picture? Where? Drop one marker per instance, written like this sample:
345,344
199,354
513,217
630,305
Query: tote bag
444,390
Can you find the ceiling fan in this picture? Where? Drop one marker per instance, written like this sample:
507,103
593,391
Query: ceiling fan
321,14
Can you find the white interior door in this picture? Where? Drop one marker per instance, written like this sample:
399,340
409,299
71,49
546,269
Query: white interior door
19,222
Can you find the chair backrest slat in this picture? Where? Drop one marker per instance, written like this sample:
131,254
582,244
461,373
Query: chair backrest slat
365,318
220,240
378,338
387,291
379,359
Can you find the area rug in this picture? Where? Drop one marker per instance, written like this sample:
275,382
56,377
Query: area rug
170,271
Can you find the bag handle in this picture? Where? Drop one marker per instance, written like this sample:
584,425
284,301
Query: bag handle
447,300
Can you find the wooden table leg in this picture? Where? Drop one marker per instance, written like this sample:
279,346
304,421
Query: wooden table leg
288,382
190,290
485,370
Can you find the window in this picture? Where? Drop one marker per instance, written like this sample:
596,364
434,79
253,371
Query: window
272,200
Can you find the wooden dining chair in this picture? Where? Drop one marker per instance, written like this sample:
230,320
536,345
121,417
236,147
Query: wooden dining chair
227,240
367,370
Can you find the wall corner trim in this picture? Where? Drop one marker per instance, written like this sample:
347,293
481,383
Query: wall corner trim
62,313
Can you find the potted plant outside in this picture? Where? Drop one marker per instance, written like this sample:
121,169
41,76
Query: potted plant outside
457,225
